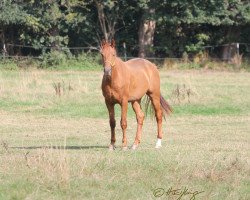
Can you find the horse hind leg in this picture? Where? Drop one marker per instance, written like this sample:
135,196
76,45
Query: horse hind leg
139,117
158,115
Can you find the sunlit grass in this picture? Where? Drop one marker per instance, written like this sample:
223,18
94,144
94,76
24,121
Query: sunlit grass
55,147
34,91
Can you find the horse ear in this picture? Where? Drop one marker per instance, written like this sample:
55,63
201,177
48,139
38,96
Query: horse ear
103,42
113,43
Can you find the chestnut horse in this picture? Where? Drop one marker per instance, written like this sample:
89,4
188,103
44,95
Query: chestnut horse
129,81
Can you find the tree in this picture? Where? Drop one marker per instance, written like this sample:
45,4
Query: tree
107,20
45,24
189,25
147,27
174,26
12,16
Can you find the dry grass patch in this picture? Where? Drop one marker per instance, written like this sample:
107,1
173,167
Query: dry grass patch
56,147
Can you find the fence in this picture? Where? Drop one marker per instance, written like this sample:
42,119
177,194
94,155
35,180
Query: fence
217,52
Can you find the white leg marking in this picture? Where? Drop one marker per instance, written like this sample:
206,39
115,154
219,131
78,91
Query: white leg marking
134,147
158,143
111,147
125,148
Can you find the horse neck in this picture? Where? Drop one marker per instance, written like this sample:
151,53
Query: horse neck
118,74
119,69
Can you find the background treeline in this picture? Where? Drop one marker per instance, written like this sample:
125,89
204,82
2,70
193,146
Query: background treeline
164,28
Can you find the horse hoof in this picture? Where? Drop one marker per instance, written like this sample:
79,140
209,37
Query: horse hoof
125,148
111,147
134,147
158,146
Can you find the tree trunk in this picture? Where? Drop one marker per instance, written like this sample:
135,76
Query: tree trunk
4,51
54,32
146,34
107,23
230,49
12,41
101,17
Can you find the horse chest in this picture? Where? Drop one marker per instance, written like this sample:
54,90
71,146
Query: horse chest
111,94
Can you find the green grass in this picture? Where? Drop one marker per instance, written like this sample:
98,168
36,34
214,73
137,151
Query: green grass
209,110
26,91
55,147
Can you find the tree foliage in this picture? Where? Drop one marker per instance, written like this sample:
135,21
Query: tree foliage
180,25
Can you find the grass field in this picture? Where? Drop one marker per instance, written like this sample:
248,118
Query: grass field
53,144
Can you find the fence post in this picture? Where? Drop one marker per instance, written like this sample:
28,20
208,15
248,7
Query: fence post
4,51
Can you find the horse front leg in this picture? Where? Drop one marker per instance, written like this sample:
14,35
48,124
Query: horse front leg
124,109
112,124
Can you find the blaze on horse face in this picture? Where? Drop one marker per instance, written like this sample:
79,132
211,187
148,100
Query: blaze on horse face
108,53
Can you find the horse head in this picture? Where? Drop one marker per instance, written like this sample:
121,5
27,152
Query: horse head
108,53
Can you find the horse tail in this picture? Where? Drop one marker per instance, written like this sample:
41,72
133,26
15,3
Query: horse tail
148,106
166,108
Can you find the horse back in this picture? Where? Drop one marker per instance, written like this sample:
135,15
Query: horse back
144,76
140,65
140,62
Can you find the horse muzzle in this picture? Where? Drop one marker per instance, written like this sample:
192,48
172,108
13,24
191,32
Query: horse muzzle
107,71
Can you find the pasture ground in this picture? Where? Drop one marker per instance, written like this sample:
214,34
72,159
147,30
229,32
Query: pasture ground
55,146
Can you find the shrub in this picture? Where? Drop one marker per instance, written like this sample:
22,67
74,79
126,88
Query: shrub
8,64
54,58
89,60
65,60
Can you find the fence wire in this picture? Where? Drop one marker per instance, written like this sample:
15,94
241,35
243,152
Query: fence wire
36,52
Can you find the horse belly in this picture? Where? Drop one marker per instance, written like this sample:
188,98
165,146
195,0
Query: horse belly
138,88
136,95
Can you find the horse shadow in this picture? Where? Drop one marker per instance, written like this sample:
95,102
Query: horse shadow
63,147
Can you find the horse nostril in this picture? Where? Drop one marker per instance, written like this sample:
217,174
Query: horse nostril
107,71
